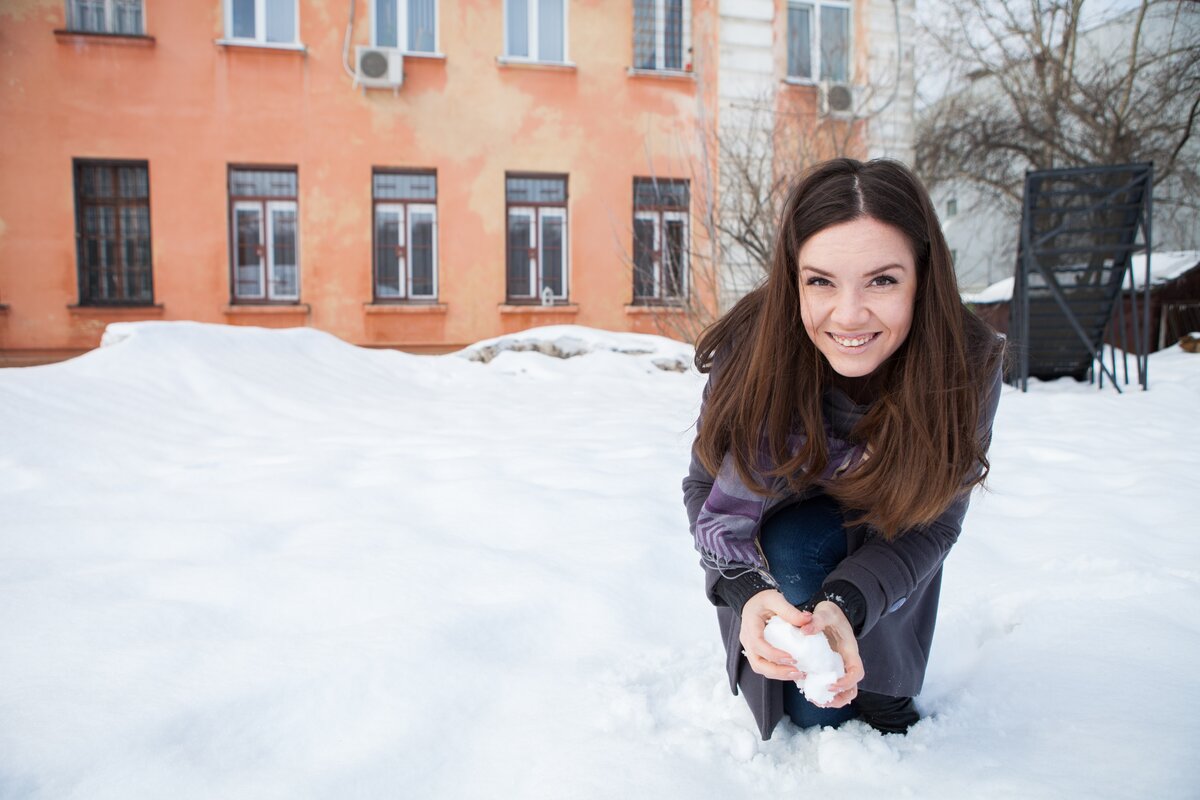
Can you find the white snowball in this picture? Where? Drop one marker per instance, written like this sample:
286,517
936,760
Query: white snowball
813,655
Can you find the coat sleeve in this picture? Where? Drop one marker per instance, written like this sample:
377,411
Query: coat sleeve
723,516
886,573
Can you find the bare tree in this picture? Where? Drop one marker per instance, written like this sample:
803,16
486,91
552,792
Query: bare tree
1040,89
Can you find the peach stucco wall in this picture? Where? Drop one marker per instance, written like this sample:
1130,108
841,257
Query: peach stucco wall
191,107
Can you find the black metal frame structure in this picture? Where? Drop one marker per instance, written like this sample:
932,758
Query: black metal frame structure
1079,231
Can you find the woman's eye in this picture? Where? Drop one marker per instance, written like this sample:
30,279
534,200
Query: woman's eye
883,280
815,281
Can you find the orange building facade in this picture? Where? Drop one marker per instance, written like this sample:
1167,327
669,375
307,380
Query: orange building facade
418,174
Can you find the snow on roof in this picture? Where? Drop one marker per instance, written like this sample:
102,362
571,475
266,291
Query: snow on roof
1164,267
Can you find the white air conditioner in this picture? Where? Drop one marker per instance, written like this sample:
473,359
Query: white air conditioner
837,99
379,67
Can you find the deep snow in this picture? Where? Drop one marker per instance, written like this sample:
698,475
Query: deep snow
243,563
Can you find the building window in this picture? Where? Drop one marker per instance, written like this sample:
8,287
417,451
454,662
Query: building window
536,30
410,25
818,41
405,235
265,245
112,229
537,238
106,16
262,21
952,207
660,240
662,34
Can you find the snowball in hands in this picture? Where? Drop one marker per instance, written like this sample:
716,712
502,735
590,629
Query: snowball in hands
813,655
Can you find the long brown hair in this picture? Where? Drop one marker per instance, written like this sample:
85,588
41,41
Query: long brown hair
921,428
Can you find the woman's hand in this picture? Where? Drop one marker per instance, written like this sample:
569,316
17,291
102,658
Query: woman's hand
828,618
771,662
766,660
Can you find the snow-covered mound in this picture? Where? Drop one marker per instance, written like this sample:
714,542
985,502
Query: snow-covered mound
568,341
246,563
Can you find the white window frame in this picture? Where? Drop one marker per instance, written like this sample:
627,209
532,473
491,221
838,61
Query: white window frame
535,215
272,206
659,253
266,238
660,38
420,208
260,26
561,213
393,208
530,213
814,44
402,28
532,34
109,19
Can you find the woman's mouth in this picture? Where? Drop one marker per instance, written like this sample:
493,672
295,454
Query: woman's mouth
854,342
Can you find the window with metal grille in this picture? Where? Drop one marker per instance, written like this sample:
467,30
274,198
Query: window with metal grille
405,234
106,16
535,30
537,238
660,240
264,236
410,25
662,37
262,21
112,230
818,41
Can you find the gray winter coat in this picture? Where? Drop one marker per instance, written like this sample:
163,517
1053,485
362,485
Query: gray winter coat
899,580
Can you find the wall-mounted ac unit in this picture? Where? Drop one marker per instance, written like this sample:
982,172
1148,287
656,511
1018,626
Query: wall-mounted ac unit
837,99
379,67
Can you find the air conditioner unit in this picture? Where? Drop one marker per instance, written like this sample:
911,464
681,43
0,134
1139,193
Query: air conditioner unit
837,99
379,67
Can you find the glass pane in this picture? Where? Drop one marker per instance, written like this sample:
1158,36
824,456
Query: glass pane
674,258
673,35
133,182
283,253
536,190
550,30
281,20
552,255
643,258
644,37
405,186
96,181
663,193
249,267
99,221
517,39
421,255
86,15
799,41
386,23
262,183
127,16
835,43
519,238
243,19
387,253
421,19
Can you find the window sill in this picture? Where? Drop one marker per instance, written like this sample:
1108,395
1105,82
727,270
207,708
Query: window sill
405,308
423,55
533,308
655,308
274,309
131,310
65,36
806,82
249,44
662,74
526,63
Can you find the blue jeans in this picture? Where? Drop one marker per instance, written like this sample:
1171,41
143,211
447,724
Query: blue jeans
803,543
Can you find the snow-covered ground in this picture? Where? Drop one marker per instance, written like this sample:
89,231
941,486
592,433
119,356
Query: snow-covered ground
239,563
1164,267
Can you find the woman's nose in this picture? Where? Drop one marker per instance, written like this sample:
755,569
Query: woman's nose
850,311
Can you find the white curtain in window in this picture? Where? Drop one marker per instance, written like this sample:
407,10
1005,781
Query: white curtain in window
281,20
550,30
518,28
835,43
422,17
386,23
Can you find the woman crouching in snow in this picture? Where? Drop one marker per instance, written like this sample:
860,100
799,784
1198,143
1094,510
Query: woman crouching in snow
846,419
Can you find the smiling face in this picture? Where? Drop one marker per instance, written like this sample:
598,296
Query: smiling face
858,283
